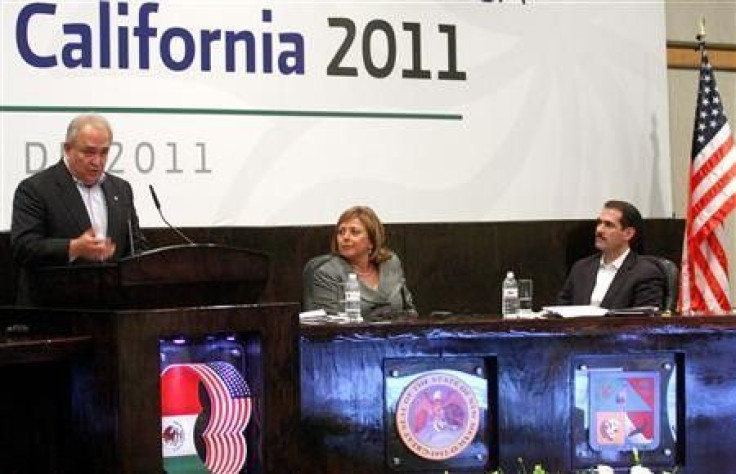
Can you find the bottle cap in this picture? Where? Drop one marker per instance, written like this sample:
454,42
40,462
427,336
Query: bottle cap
509,274
352,276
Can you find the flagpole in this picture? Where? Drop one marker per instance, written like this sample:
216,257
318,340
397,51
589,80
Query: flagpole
700,37
686,273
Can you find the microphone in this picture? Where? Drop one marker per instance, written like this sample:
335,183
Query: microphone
130,237
155,199
158,208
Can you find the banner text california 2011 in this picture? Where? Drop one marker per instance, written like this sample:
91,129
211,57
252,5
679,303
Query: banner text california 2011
287,112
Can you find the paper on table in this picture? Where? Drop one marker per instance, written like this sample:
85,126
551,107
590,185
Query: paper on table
575,311
314,316
320,316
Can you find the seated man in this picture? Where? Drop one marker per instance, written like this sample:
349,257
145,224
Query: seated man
617,277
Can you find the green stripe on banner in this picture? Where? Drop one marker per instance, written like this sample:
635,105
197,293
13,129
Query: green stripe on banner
234,112
184,465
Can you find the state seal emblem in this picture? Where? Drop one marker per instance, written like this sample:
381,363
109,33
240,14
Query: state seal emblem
437,415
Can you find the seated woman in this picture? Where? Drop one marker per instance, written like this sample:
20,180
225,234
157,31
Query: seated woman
358,246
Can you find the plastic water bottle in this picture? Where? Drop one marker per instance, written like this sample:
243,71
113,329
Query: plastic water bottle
352,298
510,296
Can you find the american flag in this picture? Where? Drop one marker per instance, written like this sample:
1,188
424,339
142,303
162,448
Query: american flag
230,410
704,285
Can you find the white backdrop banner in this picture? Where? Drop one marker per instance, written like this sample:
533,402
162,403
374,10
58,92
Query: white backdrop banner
287,112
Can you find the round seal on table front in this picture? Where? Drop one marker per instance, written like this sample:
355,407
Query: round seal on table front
437,415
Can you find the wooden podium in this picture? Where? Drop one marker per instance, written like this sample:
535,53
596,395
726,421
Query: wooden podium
99,331
176,276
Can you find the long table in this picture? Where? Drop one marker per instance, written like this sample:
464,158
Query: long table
530,375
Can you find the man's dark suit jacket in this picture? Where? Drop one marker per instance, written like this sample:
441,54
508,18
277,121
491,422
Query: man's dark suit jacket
639,282
48,212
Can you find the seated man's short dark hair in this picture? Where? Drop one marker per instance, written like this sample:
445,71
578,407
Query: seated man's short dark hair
630,217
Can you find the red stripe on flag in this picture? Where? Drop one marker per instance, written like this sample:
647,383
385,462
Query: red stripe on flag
707,265
224,439
713,160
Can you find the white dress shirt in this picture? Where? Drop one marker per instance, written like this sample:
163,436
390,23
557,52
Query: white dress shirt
606,274
94,201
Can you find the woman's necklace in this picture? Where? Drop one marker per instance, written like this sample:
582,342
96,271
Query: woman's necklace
367,272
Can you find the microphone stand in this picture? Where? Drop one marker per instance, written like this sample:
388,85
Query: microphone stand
160,213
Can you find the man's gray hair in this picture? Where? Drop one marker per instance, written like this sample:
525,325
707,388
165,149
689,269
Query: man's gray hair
95,120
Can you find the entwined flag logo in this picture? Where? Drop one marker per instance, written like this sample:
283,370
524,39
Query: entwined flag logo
230,408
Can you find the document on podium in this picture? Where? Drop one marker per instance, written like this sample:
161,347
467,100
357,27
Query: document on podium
575,311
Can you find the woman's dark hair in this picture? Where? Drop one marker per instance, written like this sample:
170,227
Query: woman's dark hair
373,227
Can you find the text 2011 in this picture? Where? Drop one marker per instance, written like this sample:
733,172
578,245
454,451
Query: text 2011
382,28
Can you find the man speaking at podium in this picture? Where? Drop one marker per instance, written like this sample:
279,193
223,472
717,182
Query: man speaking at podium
617,277
74,212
